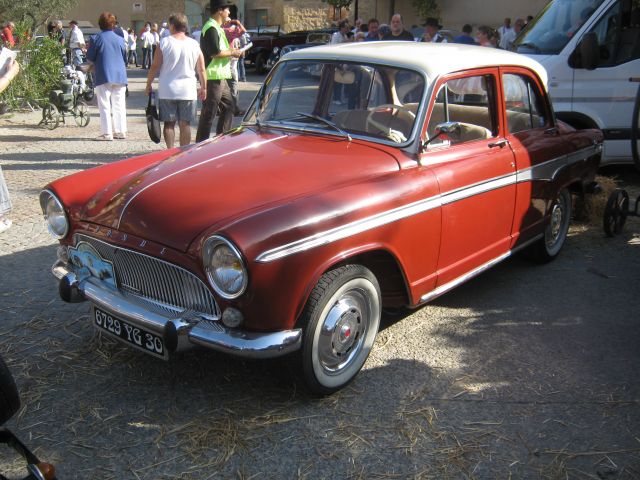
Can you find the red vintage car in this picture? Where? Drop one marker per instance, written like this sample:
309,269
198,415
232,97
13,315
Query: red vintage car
363,176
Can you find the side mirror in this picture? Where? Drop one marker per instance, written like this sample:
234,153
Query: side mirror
451,131
589,51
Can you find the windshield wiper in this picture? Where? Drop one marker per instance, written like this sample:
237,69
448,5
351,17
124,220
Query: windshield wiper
326,122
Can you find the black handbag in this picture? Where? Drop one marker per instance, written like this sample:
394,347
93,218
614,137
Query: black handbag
153,119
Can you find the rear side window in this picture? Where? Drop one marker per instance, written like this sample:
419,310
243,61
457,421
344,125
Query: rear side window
525,105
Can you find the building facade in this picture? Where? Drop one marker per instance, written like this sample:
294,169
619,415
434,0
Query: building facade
306,14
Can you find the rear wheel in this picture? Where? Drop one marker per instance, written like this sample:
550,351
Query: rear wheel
555,233
340,322
50,116
615,212
81,114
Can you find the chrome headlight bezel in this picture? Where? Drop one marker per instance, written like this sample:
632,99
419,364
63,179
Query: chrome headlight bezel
275,50
208,249
46,196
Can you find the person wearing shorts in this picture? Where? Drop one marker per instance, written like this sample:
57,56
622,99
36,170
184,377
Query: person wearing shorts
177,61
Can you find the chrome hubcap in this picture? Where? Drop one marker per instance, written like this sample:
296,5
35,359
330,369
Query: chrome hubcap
343,331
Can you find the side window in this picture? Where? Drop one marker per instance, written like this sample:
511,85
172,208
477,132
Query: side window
618,33
525,105
470,102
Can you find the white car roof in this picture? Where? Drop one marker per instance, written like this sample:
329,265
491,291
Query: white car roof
434,59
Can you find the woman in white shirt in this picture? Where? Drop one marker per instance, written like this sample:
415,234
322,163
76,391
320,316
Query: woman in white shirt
177,60
132,45
147,43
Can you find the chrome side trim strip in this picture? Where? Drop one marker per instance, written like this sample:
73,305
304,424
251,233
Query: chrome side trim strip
350,229
543,172
467,276
470,191
178,172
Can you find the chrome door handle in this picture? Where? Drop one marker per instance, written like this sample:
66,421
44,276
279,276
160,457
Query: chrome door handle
500,143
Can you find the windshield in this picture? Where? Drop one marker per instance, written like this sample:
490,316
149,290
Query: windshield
343,99
555,25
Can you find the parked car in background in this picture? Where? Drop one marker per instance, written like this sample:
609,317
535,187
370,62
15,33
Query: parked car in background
398,172
265,44
313,39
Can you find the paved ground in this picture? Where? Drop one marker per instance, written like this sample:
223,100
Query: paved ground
525,372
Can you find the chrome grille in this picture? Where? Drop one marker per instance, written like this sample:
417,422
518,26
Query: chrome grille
164,285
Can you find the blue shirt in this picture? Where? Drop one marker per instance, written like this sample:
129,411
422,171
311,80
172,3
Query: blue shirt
109,56
466,39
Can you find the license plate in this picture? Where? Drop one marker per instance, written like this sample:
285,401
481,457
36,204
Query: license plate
135,336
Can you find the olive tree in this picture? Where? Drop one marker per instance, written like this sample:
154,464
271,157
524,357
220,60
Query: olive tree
34,13
426,8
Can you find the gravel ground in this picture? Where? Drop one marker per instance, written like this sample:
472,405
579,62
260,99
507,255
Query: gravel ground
524,372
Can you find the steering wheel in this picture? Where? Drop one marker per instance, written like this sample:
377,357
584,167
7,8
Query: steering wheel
391,134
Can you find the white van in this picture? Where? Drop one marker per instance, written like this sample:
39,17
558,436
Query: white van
590,49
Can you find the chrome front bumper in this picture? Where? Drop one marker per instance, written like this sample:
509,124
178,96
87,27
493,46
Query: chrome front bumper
179,332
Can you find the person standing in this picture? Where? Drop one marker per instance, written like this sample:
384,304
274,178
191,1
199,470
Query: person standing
465,37
484,36
432,31
77,45
7,34
341,36
132,44
397,30
156,40
234,30
505,28
245,44
506,41
147,43
196,32
9,70
108,55
177,60
164,31
372,31
217,56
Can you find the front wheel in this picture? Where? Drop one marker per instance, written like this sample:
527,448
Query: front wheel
261,64
340,322
555,233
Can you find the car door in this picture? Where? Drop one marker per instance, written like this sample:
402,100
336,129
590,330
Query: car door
534,139
475,172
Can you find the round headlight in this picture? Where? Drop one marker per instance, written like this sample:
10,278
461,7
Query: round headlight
224,266
276,50
54,216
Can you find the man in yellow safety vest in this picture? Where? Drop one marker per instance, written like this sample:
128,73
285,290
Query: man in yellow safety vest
217,56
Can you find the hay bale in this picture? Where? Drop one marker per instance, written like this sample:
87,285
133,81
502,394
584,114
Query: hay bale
592,209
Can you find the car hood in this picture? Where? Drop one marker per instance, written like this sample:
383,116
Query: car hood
216,182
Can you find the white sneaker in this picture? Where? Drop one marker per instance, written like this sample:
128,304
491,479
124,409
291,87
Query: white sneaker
5,223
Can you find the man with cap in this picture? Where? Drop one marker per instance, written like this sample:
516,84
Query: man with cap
432,31
164,31
217,56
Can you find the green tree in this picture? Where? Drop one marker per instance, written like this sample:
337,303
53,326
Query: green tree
40,67
426,8
340,4
34,12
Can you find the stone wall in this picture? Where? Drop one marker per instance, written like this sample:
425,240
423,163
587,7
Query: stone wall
305,15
